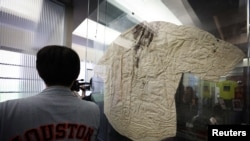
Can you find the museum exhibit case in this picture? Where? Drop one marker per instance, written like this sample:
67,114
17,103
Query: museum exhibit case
154,52
163,69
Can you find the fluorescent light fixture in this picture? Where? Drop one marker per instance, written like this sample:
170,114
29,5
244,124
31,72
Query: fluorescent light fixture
92,30
23,8
147,10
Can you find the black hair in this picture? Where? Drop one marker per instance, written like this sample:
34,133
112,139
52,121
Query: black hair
58,65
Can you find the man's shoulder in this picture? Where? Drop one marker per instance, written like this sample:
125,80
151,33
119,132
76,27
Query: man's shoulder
17,102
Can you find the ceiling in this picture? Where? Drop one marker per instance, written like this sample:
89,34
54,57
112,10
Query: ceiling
225,19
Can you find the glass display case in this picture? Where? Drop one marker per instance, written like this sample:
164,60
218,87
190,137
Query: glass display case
223,100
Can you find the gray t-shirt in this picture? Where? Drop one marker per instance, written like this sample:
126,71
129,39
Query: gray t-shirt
54,114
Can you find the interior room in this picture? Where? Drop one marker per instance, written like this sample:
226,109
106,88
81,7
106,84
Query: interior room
102,32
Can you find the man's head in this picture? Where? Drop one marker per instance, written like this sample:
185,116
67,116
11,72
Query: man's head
58,65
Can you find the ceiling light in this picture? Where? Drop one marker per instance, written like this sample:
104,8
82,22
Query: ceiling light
147,10
94,31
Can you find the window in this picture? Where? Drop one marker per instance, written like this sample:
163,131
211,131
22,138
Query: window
23,30
18,76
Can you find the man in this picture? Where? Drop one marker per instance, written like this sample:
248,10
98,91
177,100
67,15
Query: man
55,113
